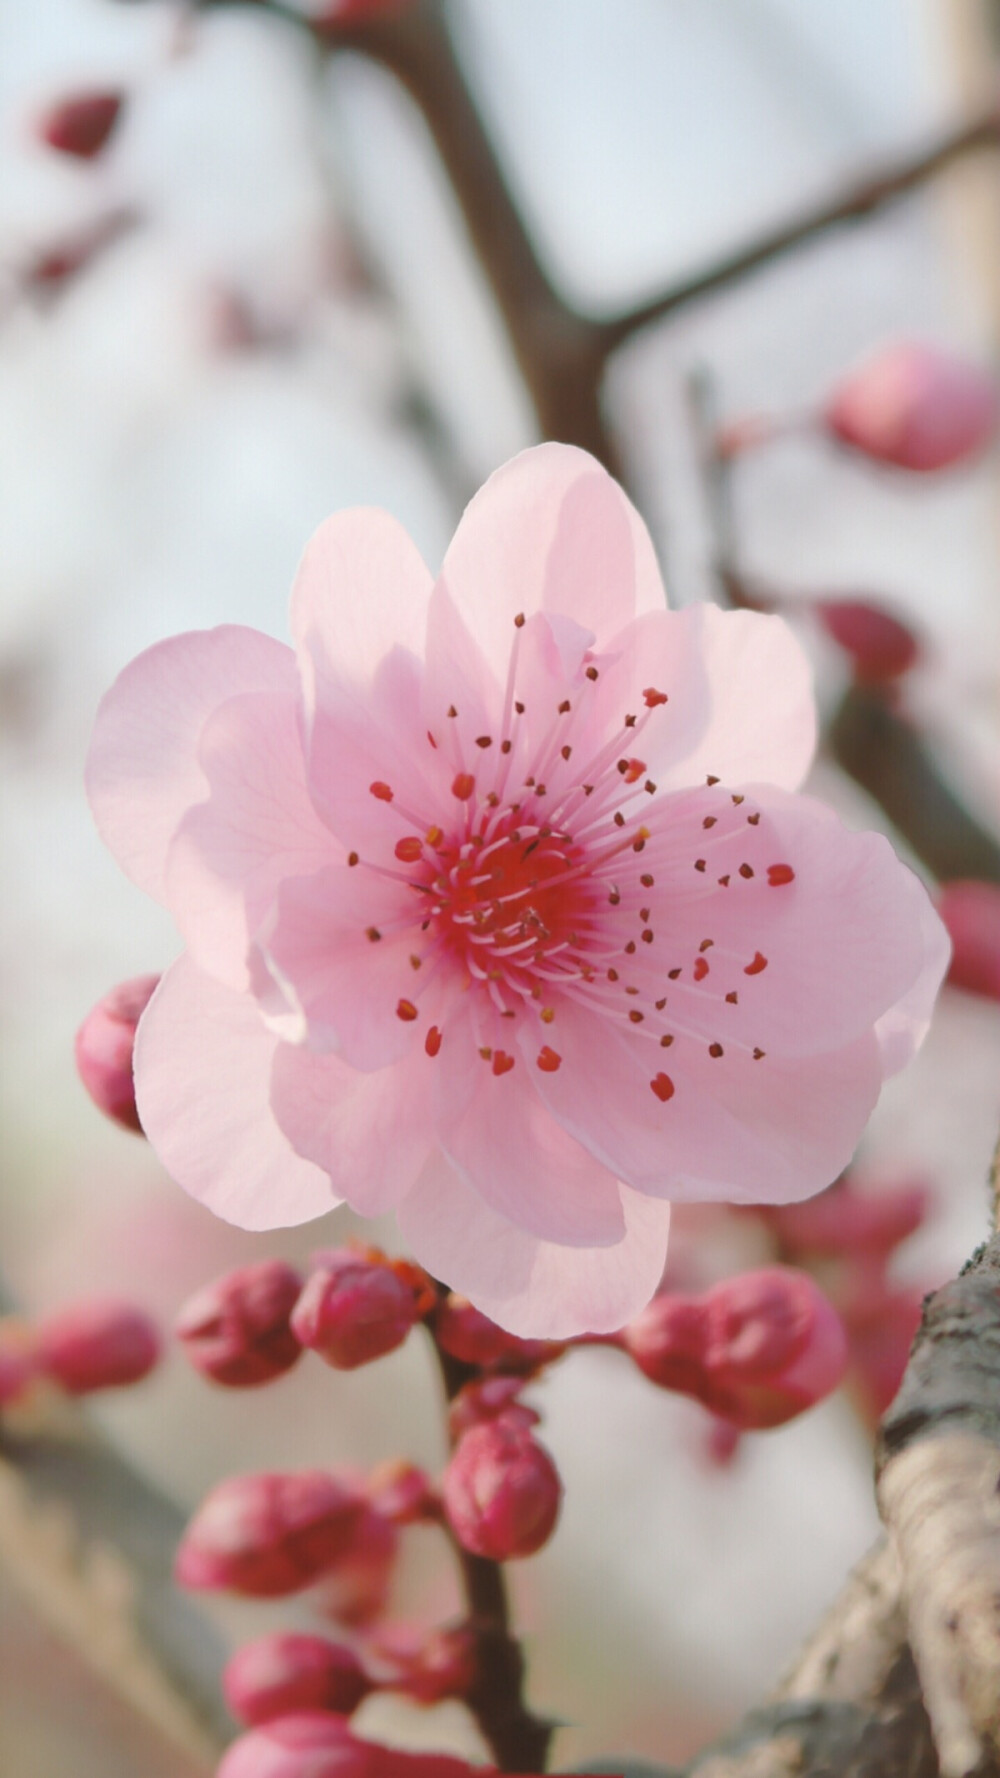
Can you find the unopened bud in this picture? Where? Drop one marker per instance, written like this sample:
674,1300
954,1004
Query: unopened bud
356,1306
971,912
501,1492
316,1744
403,1493
280,1673
916,407
880,645
774,1347
356,1590
842,1222
464,1332
81,125
237,1330
268,1534
97,1345
104,1045
487,1400
432,1667
667,1342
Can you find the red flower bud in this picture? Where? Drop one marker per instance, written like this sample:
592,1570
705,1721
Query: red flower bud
774,1347
464,1332
81,126
97,1345
280,1673
236,1331
487,1400
356,1590
265,1535
501,1492
403,1493
434,1666
971,912
104,1045
881,646
667,1342
916,407
355,1307
314,1744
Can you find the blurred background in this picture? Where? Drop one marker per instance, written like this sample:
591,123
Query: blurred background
265,282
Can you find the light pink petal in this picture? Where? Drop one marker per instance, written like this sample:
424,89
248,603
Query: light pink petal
902,1030
740,697
813,962
509,1148
341,944
142,770
203,1061
550,531
370,1133
230,854
535,1288
361,590
769,1130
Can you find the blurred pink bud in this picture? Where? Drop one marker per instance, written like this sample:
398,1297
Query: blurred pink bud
314,1744
355,1307
81,125
97,1345
667,1342
268,1534
971,912
466,1333
356,1591
18,1361
443,1664
487,1400
236,1331
104,1045
403,1493
722,1442
774,1347
844,1222
880,1342
280,1673
501,1491
881,646
916,407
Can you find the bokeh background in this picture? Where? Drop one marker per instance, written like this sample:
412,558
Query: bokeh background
258,302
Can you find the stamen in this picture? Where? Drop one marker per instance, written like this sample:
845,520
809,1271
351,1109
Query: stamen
353,859
777,874
663,1087
409,850
652,697
381,791
463,785
406,1011
715,1050
548,1060
759,963
432,1042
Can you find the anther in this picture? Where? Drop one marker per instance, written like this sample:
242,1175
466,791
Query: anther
634,769
415,961
759,963
644,915
647,879
660,1004
462,786
588,790
547,1015
711,779
432,1042
663,1087
433,836
672,974
405,1010
630,947
737,800
519,621
372,934
381,791
548,1060
652,697
715,1050
451,710
612,975
758,1055
592,673
409,850
777,874
700,968
505,746
746,870
649,787
566,752
666,1040
619,818
706,944
565,707
431,739
647,937
486,1052
635,1016
502,1063
484,740
353,858
724,881
753,819
641,837
710,820
699,864
733,997
630,722
519,707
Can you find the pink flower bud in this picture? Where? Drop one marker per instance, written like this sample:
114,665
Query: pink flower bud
501,1492
487,1400
464,1332
268,1534
441,1664
18,1361
82,125
355,1307
403,1493
842,1222
880,645
667,1342
237,1330
356,1591
314,1744
971,912
774,1347
280,1673
104,1045
97,1345
916,407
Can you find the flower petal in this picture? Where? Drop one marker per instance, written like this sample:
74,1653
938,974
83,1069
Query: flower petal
534,1288
370,1133
751,1130
902,1029
509,1148
231,853
143,772
361,590
203,1061
550,531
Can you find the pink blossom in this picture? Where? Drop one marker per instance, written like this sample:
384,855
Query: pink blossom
102,1344
915,406
355,1307
236,1330
269,1534
501,1490
104,1046
278,1673
499,906
317,1744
